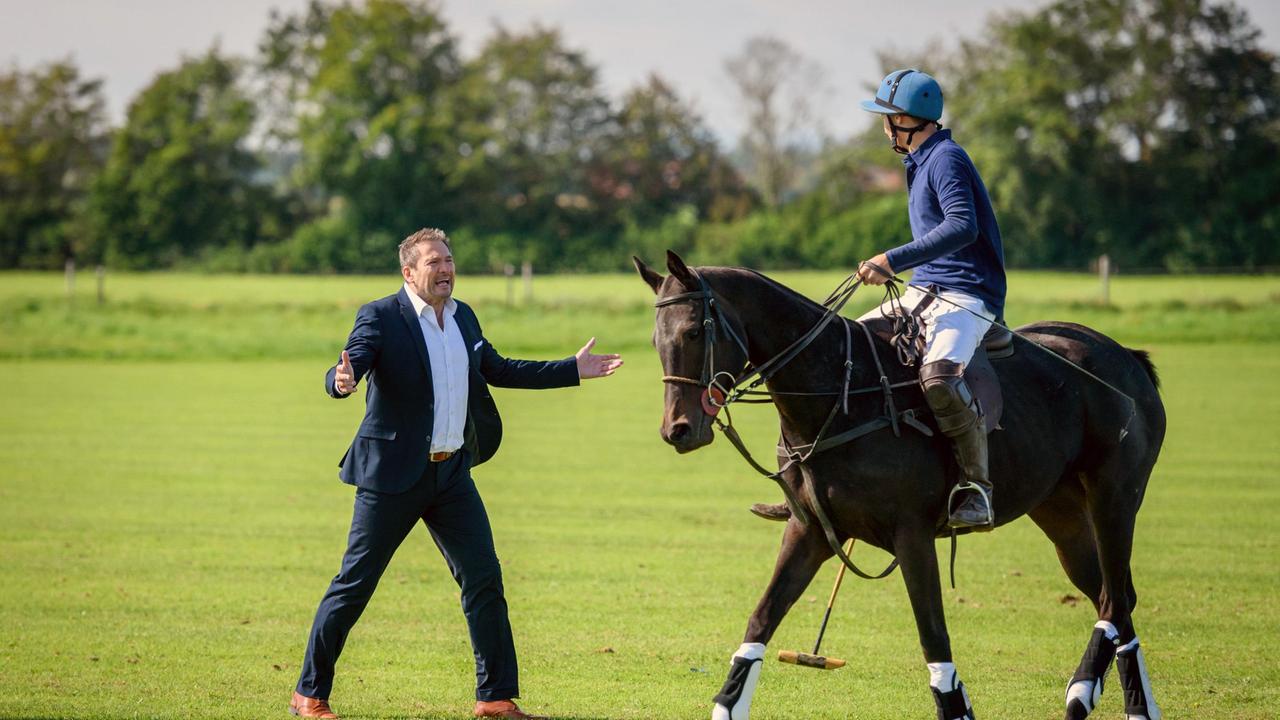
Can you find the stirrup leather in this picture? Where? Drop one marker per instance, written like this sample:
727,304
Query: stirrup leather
986,497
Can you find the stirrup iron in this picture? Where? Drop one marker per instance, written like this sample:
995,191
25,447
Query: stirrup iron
964,486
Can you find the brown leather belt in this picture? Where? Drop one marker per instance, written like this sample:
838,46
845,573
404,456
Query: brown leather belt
441,456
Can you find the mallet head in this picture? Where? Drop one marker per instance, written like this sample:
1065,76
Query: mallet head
807,660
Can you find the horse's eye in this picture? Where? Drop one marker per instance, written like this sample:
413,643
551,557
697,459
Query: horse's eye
693,334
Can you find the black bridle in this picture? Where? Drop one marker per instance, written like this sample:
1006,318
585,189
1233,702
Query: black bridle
714,394
718,395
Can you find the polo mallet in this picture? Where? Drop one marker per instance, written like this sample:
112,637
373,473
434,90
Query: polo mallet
814,660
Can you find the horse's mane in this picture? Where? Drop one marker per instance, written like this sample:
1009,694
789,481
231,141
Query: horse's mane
748,273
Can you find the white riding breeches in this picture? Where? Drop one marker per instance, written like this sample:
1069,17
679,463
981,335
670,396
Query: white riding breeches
950,333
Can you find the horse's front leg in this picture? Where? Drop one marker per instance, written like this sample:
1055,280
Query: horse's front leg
919,562
804,549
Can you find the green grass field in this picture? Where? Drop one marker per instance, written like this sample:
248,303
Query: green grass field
170,515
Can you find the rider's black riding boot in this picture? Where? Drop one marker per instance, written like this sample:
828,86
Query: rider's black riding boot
956,411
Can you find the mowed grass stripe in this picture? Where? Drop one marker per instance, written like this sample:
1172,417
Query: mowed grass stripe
179,521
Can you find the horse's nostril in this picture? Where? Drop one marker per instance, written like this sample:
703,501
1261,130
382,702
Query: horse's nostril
679,432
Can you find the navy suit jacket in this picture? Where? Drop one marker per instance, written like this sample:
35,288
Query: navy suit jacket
390,450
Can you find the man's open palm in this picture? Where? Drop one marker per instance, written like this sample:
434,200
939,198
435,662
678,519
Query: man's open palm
594,366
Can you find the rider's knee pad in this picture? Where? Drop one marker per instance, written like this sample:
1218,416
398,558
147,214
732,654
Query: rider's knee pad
948,396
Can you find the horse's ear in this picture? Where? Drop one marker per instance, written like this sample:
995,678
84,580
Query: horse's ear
680,271
652,277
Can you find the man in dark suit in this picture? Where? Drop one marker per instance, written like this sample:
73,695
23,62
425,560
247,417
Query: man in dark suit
429,417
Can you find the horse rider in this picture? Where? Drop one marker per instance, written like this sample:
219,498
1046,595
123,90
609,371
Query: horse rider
956,254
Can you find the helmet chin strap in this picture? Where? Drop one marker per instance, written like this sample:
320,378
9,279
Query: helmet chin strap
910,131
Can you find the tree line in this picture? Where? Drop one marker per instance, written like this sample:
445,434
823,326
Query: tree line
1147,131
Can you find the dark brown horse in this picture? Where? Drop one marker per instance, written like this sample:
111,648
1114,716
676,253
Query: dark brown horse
1074,453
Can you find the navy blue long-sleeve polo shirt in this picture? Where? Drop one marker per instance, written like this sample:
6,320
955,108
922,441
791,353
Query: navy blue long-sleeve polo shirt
957,242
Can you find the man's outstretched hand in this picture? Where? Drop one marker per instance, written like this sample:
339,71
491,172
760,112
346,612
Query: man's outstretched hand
344,378
594,366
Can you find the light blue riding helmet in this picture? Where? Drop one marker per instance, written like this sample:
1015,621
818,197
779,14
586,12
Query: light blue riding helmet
907,91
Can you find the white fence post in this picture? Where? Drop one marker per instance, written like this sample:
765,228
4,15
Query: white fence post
1104,271
71,279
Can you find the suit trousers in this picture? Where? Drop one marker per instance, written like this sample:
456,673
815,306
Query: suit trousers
446,500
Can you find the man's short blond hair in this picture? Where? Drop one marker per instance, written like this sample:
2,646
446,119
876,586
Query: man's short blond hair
409,249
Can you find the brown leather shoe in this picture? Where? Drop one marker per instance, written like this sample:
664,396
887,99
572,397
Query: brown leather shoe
503,709
306,707
778,513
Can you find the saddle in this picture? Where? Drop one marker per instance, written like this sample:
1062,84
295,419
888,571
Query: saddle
979,373
985,385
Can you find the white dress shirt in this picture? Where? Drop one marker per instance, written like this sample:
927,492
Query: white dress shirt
449,367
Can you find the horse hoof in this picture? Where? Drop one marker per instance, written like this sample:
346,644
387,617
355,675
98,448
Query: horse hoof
1076,710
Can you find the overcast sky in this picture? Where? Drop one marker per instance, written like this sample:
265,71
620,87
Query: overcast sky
127,42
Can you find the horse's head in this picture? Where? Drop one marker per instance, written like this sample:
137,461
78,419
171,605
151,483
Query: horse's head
700,352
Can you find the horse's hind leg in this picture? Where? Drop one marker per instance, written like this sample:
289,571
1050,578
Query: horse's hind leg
1112,504
1065,520
804,549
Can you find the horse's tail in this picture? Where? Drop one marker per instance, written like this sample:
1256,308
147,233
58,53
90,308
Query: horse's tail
1144,359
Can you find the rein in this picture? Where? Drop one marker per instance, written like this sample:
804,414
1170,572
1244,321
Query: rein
716,396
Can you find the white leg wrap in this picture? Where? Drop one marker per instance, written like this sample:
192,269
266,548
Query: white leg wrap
1086,685
1088,692
734,700
949,693
943,676
1137,689
750,651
